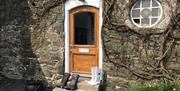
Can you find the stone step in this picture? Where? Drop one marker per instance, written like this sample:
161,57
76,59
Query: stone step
82,86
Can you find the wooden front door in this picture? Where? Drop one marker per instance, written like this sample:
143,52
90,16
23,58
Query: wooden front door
84,39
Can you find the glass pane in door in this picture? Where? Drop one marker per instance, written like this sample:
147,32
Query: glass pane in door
84,28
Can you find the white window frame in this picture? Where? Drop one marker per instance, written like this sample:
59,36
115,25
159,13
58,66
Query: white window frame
150,17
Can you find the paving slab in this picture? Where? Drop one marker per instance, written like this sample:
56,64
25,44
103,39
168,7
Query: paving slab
12,85
82,86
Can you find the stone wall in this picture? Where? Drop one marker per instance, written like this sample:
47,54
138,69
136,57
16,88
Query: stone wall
13,21
48,40
32,39
134,49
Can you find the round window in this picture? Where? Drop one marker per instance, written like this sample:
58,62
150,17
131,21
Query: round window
146,13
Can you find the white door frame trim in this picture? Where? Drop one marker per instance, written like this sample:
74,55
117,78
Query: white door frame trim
70,4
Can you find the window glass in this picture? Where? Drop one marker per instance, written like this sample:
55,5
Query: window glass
155,12
137,5
154,3
84,28
153,20
145,21
136,13
145,3
137,21
145,13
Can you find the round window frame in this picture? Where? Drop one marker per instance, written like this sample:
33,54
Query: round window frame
150,25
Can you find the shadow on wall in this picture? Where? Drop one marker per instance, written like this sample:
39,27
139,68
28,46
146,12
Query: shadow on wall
17,60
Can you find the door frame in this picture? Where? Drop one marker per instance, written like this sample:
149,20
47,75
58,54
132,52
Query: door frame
93,48
69,5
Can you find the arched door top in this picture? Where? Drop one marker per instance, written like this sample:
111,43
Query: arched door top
71,4
84,8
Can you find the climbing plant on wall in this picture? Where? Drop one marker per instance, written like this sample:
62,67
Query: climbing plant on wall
144,52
